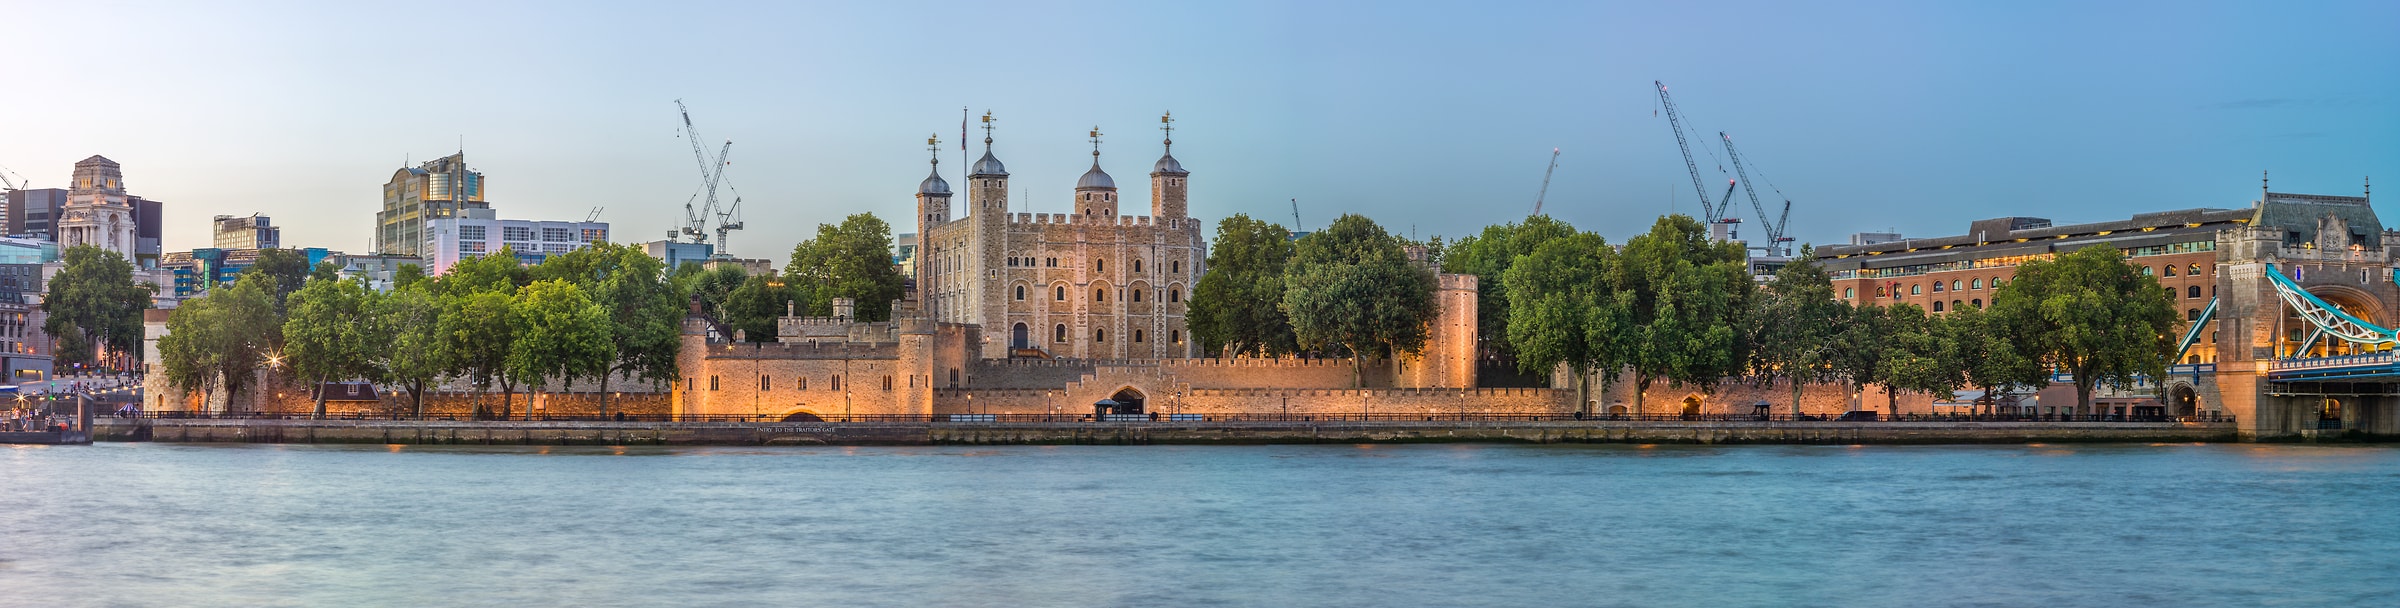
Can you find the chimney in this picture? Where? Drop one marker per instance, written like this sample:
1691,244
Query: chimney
842,307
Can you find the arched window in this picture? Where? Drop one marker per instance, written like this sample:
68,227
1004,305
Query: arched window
1099,265
2193,271
2167,270
1175,266
1175,336
1979,302
1849,292
1954,285
1916,289
2192,291
1174,295
1060,333
2192,314
1937,286
1059,293
1137,297
1978,283
1137,335
1099,294
1879,291
2145,271
1955,304
1099,335
1020,292
1937,305
1137,264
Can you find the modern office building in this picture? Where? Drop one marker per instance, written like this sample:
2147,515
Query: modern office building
195,271
24,347
247,232
438,189
32,212
148,224
449,240
15,250
677,253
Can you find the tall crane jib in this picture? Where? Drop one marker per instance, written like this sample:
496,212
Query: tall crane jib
703,207
1545,193
1773,225
1708,209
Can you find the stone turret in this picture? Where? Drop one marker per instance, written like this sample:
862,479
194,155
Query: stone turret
1168,190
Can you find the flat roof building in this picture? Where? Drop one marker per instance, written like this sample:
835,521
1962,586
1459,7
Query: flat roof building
253,231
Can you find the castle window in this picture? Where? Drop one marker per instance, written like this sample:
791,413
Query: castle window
833,383
800,383
1020,293
954,376
1099,295
1059,333
1175,336
1059,293
687,383
1137,264
1174,295
1099,335
1137,335
766,383
1099,265
2192,292
1137,295
1175,266
887,383
712,383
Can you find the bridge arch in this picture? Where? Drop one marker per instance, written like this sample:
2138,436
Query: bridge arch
2359,303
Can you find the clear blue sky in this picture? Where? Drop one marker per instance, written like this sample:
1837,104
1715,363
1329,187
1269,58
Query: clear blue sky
1916,116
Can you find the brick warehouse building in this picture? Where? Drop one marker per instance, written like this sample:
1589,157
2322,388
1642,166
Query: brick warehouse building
1946,273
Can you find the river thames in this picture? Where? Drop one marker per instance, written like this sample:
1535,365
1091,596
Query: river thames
1422,525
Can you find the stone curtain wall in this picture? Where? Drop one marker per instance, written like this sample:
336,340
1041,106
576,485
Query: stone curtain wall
1271,401
462,405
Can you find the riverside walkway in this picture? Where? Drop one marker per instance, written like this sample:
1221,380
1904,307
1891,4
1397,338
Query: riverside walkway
1565,429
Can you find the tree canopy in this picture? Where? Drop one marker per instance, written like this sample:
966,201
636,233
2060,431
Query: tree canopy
217,340
849,260
1350,287
93,301
2092,315
1683,298
1237,307
1563,311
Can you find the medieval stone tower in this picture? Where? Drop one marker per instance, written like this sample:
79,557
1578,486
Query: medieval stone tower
1088,283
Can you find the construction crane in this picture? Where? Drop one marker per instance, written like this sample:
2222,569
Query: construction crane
594,216
10,185
1773,226
1295,215
1708,210
1545,193
712,173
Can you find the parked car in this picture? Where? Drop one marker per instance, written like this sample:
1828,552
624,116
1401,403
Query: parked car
1857,416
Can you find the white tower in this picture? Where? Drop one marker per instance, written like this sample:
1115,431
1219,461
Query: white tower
96,212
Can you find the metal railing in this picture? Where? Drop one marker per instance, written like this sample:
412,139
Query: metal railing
1861,416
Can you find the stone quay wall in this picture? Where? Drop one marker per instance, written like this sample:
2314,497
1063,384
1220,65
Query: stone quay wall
1136,433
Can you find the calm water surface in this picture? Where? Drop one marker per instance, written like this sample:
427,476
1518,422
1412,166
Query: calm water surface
245,525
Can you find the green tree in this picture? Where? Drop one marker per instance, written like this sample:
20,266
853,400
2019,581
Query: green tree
1859,347
496,272
1237,307
560,333
324,271
478,331
1985,354
94,302
1489,255
1350,286
711,286
1560,300
1915,357
220,339
753,307
287,268
407,275
409,324
850,260
1683,297
644,310
2091,314
1795,326
329,334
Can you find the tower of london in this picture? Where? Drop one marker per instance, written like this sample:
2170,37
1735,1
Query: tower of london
1092,284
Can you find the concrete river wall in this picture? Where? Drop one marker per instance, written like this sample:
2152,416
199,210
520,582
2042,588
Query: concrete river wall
1135,433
